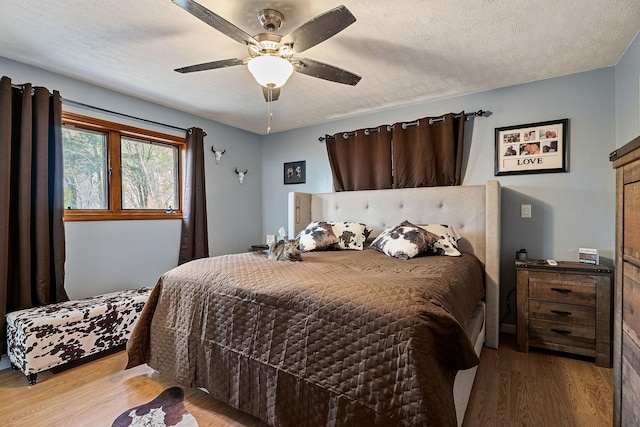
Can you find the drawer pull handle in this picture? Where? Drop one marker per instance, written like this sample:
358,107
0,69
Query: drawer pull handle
561,313
561,290
561,331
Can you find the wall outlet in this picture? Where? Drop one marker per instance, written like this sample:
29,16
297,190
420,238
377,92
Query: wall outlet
525,211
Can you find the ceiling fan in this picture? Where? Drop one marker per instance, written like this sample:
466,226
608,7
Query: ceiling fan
271,56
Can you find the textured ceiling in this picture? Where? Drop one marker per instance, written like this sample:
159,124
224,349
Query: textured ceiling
407,52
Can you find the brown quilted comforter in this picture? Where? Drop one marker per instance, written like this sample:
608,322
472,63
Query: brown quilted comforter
344,338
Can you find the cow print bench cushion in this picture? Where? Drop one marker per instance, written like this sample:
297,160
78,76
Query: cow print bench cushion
44,337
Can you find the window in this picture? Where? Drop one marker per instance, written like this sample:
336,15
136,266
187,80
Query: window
113,171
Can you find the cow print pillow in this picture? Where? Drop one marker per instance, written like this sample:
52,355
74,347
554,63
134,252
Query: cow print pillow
404,241
448,237
318,235
351,235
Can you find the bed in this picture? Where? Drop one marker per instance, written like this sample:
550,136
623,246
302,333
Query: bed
349,337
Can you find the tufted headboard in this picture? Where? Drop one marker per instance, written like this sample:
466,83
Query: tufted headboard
473,210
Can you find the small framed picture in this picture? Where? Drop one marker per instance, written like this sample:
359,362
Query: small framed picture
295,172
532,148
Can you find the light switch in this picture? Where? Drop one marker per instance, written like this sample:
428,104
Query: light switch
525,211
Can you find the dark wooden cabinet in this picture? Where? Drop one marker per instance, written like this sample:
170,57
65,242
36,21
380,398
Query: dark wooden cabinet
626,338
565,308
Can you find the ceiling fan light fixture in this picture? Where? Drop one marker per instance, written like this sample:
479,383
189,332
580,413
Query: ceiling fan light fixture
270,71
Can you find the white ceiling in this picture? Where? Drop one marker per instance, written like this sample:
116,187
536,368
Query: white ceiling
407,52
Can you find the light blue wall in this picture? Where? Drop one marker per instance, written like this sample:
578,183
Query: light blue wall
106,256
570,210
628,94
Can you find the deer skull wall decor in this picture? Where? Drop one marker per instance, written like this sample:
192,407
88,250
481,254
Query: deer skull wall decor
241,175
218,154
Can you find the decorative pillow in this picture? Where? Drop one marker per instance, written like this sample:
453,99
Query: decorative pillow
448,237
318,235
351,235
404,241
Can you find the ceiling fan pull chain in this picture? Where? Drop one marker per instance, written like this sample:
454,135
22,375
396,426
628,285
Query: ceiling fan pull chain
269,113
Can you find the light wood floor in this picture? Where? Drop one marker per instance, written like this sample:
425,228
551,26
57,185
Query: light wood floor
511,389
538,389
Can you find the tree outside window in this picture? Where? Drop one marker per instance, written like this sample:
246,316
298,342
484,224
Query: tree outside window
113,171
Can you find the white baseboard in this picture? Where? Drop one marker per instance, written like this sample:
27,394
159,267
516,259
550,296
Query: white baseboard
4,362
508,328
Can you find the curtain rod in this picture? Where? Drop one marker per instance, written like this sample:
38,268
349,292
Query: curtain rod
479,113
104,110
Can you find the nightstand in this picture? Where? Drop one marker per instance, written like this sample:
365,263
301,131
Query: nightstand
565,308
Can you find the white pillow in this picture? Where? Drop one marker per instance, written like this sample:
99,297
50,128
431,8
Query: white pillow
404,241
351,235
447,243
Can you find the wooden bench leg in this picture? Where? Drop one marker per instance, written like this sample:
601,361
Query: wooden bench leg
31,378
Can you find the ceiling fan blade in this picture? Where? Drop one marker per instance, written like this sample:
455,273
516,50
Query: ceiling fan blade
275,93
321,28
325,71
210,65
216,21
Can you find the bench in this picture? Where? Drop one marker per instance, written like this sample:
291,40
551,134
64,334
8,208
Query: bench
42,338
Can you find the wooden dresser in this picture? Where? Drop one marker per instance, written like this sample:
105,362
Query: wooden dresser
626,338
565,308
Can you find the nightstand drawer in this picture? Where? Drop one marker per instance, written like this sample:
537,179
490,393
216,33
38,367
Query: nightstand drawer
562,313
563,288
579,339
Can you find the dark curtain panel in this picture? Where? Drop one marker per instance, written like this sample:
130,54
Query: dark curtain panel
194,242
429,154
361,161
32,245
